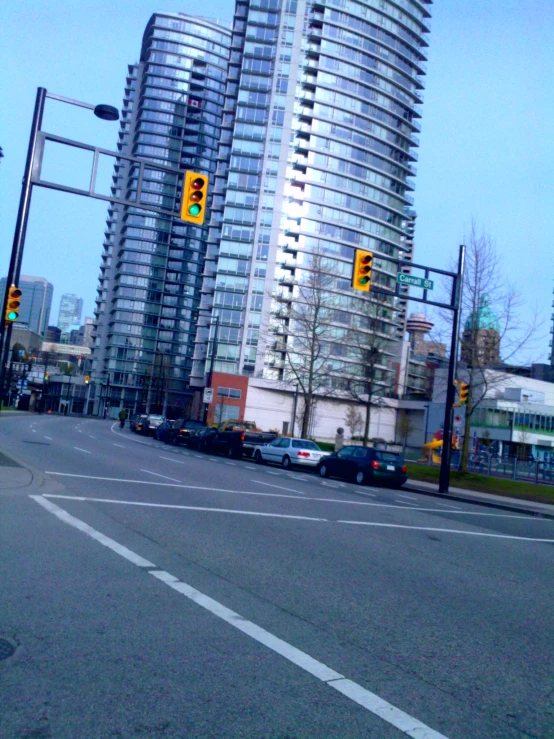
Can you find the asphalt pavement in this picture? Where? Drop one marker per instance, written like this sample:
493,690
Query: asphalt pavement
151,591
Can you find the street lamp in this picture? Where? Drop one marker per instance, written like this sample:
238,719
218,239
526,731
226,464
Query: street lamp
104,112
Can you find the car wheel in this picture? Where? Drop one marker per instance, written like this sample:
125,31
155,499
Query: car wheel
258,457
323,471
360,477
287,464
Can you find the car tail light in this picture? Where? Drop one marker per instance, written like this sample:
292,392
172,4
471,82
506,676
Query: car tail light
243,434
303,454
375,464
404,468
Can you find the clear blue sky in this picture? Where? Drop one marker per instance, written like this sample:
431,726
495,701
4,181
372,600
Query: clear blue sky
486,143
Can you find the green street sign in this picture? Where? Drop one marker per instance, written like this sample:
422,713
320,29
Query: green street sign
414,281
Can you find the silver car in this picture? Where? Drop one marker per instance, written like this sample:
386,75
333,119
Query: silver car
290,453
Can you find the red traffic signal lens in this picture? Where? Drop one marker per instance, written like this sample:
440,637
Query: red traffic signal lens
15,292
198,183
366,260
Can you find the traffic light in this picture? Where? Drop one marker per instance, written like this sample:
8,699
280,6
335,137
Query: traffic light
46,376
12,305
87,379
463,393
195,195
361,273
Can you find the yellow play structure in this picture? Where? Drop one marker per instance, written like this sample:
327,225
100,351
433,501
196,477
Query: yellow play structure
434,448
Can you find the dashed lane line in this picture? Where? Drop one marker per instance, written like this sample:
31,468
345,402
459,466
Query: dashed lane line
48,437
82,450
158,475
335,680
177,461
279,487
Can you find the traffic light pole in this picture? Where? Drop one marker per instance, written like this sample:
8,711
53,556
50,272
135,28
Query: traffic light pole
444,475
16,258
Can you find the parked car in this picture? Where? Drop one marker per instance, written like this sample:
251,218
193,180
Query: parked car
151,423
365,466
290,452
237,438
162,431
197,438
182,430
136,422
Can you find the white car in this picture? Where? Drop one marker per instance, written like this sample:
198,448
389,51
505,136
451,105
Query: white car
290,452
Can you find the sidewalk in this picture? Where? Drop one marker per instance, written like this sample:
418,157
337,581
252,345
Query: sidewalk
494,501
15,477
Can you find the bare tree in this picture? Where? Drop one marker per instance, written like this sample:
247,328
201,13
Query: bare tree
353,420
492,331
367,349
404,428
304,328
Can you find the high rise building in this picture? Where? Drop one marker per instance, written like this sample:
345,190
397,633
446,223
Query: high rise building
152,264
316,158
71,308
36,302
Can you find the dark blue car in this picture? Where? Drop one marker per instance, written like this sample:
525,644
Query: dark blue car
161,432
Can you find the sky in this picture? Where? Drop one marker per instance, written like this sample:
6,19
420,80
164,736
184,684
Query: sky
486,146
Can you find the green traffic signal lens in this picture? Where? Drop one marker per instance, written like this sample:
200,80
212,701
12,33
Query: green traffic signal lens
12,315
195,209
363,280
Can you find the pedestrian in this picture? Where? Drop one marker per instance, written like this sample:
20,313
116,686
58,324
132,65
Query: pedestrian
122,417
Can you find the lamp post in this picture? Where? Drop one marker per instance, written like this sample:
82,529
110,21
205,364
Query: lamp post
212,362
105,112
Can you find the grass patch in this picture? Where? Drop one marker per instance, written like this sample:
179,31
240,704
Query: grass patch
484,484
326,446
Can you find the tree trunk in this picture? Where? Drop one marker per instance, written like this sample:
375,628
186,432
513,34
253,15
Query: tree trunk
306,417
367,422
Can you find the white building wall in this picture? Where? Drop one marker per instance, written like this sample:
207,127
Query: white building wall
270,405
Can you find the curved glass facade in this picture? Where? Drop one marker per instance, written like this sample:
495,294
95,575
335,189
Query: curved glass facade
316,158
152,264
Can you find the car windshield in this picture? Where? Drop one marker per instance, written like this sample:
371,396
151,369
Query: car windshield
156,418
305,444
195,424
388,457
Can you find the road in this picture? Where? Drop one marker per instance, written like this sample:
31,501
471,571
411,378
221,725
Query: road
157,592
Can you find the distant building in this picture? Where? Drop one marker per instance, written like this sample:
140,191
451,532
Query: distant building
87,332
36,302
417,326
53,334
71,308
481,337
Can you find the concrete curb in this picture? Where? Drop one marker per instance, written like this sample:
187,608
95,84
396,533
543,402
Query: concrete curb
38,482
412,486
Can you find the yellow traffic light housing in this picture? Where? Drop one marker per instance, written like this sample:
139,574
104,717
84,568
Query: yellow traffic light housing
361,273
464,394
195,195
12,305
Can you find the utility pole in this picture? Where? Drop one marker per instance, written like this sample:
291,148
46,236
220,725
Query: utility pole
457,285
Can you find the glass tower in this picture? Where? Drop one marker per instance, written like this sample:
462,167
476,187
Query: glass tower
71,308
151,271
316,157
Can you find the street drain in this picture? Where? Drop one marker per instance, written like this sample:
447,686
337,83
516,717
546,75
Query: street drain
6,649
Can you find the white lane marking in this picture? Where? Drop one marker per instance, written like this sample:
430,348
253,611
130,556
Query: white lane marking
86,529
279,487
172,506
408,497
365,698
269,472
177,461
449,531
80,431
82,450
34,431
233,464
199,456
329,484
277,495
119,445
407,503
363,492
48,437
158,475
135,441
91,437
449,505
